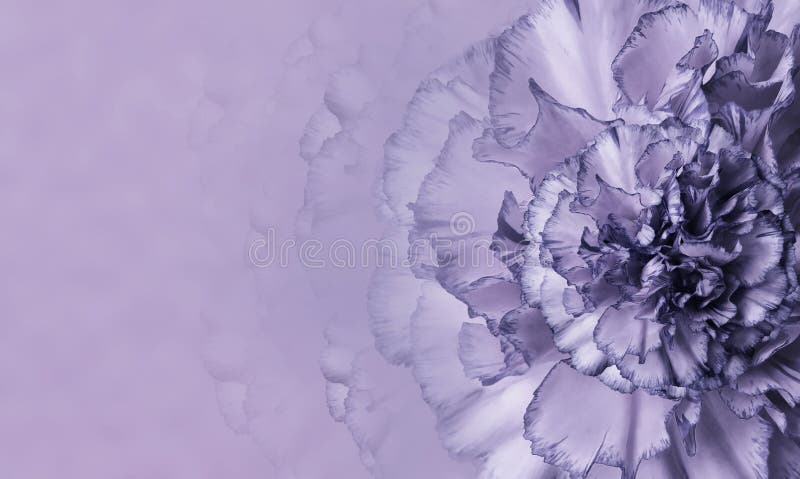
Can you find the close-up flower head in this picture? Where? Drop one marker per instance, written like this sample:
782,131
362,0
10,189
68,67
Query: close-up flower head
630,170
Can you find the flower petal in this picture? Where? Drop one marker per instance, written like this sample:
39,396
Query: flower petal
619,332
781,372
492,297
784,457
474,421
651,166
528,331
727,446
509,241
456,211
563,424
391,299
390,423
566,55
572,334
562,235
559,132
755,303
486,357
661,39
762,249
540,209
411,152
785,17
743,405
613,158
679,360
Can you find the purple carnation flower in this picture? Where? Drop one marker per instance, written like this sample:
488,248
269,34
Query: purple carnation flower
639,315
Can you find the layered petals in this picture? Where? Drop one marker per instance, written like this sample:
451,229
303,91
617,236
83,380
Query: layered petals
632,426
597,215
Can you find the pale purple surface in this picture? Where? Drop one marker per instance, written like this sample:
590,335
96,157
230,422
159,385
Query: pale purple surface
148,145
134,139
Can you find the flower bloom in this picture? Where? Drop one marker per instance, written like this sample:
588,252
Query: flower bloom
634,165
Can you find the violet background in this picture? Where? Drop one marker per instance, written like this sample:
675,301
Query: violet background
144,145
138,152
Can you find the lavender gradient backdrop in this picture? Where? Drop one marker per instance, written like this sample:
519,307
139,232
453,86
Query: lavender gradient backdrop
146,145
135,138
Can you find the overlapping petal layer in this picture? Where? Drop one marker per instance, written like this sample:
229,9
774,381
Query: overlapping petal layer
599,207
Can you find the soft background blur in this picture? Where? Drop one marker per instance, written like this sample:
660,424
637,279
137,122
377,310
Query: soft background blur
143,146
136,155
